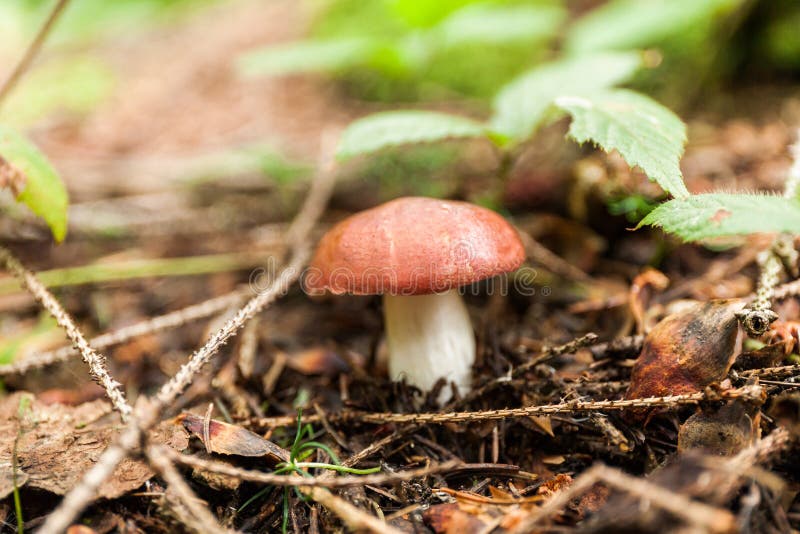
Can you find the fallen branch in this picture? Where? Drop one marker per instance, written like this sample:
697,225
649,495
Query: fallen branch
378,479
751,392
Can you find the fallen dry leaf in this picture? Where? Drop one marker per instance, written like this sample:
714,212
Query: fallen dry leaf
58,444
231,439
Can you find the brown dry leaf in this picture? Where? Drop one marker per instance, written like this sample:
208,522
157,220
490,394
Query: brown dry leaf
58,444
687,351
231,439
544,423
11,177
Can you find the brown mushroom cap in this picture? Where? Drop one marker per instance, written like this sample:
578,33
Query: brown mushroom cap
414,246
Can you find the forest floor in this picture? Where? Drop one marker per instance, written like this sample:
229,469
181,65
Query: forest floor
160,173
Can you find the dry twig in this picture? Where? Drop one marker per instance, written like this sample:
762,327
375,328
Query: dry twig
750,392
33,49
190,509
95,360
377,479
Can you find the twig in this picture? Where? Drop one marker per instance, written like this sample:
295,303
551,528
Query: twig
271,479
32,50
194,515
167,321
771,372
695,513
95,360
751,392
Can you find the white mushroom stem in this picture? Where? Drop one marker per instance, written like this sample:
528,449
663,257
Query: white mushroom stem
429,337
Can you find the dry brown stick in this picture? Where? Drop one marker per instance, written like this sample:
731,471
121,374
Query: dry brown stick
149,413
95,360
771,372
167,321
189,510
711,519
378,479
32,50
752,392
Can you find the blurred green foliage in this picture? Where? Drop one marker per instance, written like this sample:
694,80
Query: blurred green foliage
405,50
394,50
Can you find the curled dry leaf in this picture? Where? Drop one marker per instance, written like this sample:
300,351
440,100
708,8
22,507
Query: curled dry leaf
231,439
687,351
58,444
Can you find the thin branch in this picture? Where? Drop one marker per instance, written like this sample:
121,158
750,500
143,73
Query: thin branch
167,321
750,392
189,511
378,479
33,50
95,360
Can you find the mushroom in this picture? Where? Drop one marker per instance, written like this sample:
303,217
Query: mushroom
417,252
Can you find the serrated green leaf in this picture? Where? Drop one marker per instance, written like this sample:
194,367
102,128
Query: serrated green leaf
520,107
393,128
626,24
723,214
645,133
307,56
497,24
42,190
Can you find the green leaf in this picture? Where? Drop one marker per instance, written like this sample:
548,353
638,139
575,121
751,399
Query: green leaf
626,24
723,214
645,133
34,181
307,56
521,106
496,24
393,128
